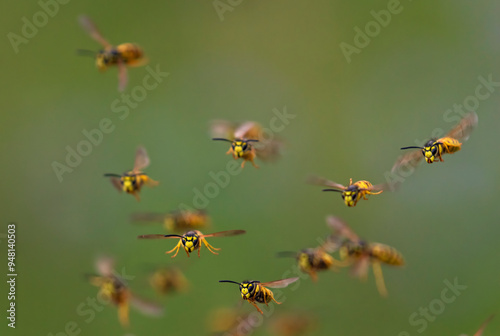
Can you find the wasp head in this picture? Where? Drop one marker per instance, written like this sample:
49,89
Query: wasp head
240,147
350,195
304,259
191,241
129,183
431,151
247,289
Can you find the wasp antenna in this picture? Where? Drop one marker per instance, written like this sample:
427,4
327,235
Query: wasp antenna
252,140
112,175
86,52
332,190
221,139
411,147
230,281
172,235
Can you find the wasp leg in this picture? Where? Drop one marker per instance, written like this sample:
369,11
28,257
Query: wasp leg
313,275
177,247
350,181
209,247
375,193
230,150
379,279
253,163
123,313
272,297
136,195
253,304
243,164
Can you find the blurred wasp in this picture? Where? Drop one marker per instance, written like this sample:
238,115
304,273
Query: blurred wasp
292,324
353,192
483,326
255,291
246,141
192,240
176,221
123,55
114,289
434,149
362,253
132,181
168,280
226,321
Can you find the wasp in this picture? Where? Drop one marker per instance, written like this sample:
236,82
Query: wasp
123,55
131,182
434,149
483,326
361,253
292,324
177,221
113,288
353,192
192,240
246,141
226,321
255,291
167,280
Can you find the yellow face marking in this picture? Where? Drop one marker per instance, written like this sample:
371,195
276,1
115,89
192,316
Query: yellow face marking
304,262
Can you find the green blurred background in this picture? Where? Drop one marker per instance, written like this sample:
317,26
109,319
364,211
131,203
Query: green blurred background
351,120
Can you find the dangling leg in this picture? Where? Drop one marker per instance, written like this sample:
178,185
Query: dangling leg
123,314
272,298
209,247
350,181
379,279
243,163
177,247
313,275
136,195
253,304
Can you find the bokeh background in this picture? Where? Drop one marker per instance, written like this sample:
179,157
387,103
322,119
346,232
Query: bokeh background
351,119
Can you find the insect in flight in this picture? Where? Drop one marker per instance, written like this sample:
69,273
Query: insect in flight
226,321
254,291
483,327
131,182
246,141
123,55
113,288
176,221
361,253
192,240
353,192
168,280
293,324
434,149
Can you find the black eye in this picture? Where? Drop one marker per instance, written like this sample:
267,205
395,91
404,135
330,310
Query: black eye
245,145
434,150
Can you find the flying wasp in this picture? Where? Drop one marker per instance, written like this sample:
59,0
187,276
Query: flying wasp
168,280
192,240
293,324
114,289
434,149
131,182
483,326
353,192
123,55
255,291
176,221
246,141
361,253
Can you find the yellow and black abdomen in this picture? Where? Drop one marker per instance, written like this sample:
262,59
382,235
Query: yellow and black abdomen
449,145
386,254
130,53
363,184
262,294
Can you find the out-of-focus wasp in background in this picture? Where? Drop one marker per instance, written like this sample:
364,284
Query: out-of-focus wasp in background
434,149
168,280
113,288
361,253
131,182
254,291
176,221
227,321
192,240
483,327
353,192
247,141
292,324
122,55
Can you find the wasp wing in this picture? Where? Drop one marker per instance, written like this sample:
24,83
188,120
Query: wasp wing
462,131
224,233
148,217
104,266
410,159
248,130
116,182
341,229
317,180
122,75
222,129
141,159
360,267
89,26
280,283
146,307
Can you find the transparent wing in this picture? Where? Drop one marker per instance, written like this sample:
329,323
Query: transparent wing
122,75
221,129
104,266
148,217
341,229
410,159
279,283
248,130
462,131
116,182
316,180
146,307
89,26
225,233
141,159
360,267
268,150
